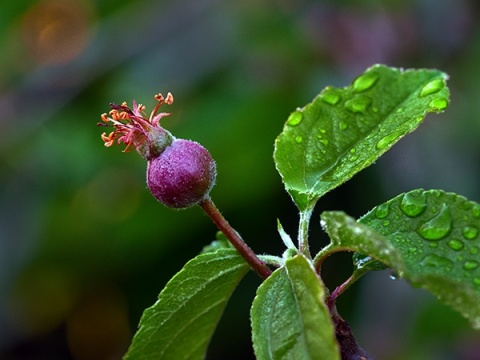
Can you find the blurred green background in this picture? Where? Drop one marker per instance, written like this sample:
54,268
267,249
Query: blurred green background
84,248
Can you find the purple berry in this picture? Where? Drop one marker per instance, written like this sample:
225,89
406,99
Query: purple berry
182,175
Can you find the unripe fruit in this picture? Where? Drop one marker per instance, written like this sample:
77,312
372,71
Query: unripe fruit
182,175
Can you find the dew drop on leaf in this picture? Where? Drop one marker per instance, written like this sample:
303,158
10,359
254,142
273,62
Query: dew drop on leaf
394,275
358,104
353,158
437,227
387,140
455,244
412,250
365,82
298,139
330,96
438,104
343,125
413,203
437,193
476,211
470,265
382,211
474,250
467,205
295,118
432,87
470,232
436,261
476,281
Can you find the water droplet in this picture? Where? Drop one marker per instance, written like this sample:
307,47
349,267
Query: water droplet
382,211
386,223
413,203
455,244
298,139
353,158
295,118
432,87
365,82
412,250
387,140
438,104
343,125
470,232
476,281
352,151
433,245
476,211
324,142
394,275
470,265
437,227
436,261
474,250
467,205
330,96
358,104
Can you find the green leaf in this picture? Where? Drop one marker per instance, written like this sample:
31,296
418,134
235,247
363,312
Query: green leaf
289,317
221,242
348,235
180,324
366,263
430,238
342,131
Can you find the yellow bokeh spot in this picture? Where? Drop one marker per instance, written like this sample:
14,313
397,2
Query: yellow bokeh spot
57,31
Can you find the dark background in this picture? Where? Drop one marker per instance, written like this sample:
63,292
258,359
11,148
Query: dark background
84,248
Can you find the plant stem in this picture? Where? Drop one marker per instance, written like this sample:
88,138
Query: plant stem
349,349
340,289
235,239
303,232
328,250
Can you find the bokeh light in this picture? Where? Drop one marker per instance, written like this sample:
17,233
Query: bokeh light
56,32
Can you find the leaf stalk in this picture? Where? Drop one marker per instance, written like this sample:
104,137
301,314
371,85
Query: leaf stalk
235,239
303,226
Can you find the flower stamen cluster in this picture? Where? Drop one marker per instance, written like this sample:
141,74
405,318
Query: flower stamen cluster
133,128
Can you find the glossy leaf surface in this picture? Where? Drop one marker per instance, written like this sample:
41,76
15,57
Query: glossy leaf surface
180,324
289,316
342,131
430,238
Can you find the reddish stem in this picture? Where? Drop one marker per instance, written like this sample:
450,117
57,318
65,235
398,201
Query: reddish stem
235,239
